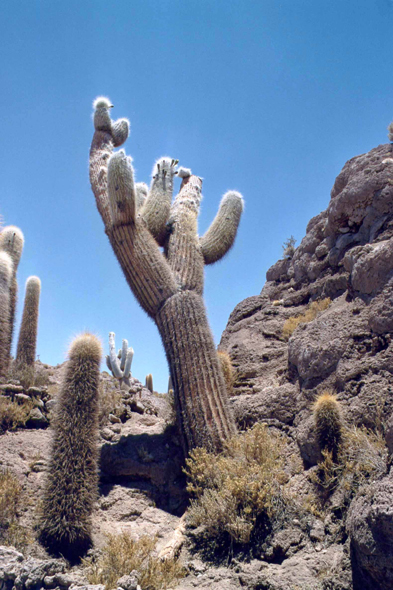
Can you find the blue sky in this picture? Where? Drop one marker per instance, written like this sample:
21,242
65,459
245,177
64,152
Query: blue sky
269,98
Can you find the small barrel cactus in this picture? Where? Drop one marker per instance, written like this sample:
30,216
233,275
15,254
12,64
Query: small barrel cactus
328,423
72,481
149,382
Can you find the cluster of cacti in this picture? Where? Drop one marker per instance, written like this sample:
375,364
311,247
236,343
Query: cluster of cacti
169,284
12,242
11,247
328,424
120,363
149,382
72,480
27,341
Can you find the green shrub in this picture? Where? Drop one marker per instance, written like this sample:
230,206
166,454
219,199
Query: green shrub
234,490
122,554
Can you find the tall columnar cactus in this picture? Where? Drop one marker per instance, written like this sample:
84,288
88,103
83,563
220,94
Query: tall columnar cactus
12,241
72,480
27,341
168,285
328,423
6,270
120,364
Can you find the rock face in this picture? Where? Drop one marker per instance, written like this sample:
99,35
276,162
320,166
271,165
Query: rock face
347,256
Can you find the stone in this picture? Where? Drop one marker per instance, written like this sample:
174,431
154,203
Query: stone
36,419
370,526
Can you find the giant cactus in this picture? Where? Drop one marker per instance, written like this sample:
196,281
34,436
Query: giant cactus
6,270
27,341
12,241
120,364
168,285
72,481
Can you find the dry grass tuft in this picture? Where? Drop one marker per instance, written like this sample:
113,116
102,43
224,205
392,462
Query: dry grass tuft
12,414
108,401
11,532
122,555
309,315
362,458
235,489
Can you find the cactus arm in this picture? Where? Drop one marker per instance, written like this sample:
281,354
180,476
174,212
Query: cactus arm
142,190
123,354
114,361
121,189
146,270
27,340
182,248
221,235
108,363
128,363
156,208
108,134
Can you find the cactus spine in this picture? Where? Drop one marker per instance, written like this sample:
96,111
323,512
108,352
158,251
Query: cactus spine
149,382
27,341
12,241
328,423
169,285
6,271
72,482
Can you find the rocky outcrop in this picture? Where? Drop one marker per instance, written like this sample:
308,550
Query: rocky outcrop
346,256
370,526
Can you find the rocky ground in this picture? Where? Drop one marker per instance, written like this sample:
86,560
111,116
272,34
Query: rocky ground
328,539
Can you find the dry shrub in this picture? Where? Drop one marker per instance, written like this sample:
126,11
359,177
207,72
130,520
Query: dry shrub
122,554
24,374
309,315
11,532
235,489
362,458
109,399
12,414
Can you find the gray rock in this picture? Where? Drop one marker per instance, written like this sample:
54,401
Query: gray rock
129,582
370,526
36,419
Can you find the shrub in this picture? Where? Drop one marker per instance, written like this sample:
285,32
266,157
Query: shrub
362,457
109,399
122,554
11,532
12,414
309,315
289,247
234,490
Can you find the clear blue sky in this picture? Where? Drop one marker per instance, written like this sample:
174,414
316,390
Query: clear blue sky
269,98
